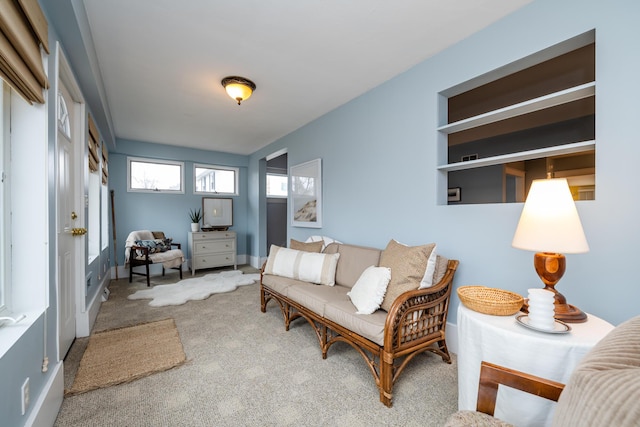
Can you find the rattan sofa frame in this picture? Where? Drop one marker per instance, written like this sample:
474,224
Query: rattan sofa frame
415,323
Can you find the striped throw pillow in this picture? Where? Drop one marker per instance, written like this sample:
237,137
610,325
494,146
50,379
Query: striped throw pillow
300,265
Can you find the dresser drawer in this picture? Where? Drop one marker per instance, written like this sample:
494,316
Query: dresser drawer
213,235
213,246
214,260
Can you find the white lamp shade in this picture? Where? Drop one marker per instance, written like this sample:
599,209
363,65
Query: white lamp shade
549,221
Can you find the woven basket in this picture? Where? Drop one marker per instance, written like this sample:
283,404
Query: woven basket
497,302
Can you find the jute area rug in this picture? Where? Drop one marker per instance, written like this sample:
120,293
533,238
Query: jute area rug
125,354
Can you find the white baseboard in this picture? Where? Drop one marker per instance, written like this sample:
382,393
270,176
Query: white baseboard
48,404
256,262
86,319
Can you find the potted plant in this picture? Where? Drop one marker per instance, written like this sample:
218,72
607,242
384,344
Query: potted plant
196,216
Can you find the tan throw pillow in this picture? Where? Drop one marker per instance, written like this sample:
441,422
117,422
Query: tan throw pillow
407,264
307,247
158,235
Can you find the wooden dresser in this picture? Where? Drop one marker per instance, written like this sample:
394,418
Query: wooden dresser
210,249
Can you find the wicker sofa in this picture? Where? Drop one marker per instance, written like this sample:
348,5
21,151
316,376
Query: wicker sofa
412,321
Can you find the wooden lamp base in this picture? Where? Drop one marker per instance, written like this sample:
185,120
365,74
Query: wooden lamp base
551,267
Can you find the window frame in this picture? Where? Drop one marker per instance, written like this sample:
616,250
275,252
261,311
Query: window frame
93,217
5,197
235,170
131,160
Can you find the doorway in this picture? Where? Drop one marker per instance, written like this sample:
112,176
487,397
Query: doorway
277,190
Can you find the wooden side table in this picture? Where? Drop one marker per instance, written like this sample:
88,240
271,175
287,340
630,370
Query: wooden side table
501,340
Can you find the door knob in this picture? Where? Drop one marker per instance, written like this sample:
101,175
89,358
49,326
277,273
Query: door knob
78,231
74,215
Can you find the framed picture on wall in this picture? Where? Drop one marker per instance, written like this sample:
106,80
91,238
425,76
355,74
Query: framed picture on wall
305,194
217,213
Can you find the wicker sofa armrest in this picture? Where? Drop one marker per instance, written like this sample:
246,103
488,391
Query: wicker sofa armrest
419,314
493,375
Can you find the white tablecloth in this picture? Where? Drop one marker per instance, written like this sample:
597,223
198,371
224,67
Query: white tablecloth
501,340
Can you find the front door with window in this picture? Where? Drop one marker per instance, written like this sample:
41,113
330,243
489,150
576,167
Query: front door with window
67,216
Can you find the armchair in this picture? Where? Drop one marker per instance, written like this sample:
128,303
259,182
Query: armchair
143,248
603,390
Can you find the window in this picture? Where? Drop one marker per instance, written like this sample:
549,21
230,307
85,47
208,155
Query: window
105,201
147,175
94,217
105,216
277,185
215,180
5,219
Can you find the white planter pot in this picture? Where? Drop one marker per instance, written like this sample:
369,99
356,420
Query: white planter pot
195,226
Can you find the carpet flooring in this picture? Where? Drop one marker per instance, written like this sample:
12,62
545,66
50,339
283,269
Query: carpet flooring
244,369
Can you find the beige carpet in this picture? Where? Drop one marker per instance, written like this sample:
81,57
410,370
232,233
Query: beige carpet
244,370
121,355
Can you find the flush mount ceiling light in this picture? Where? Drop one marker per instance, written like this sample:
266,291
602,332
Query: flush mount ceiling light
238,88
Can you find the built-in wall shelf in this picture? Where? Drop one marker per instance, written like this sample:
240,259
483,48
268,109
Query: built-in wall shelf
558,98
559,150
500,131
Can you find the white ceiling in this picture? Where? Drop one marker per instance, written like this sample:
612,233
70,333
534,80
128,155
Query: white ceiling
162,61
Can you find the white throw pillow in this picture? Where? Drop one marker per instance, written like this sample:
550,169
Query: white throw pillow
368,292
300,265
427,280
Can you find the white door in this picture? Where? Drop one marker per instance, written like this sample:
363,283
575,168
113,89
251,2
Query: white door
68,218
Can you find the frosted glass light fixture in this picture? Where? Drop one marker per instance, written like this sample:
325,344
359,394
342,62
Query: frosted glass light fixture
238,88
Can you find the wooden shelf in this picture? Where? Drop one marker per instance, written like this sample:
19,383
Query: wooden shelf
576,147
558,98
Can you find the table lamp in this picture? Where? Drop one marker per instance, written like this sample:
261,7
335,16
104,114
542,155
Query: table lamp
549,224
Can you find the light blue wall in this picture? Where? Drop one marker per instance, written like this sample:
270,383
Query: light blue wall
380,153
169,212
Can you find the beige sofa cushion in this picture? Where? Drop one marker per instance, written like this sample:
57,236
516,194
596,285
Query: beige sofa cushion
408,265
315,297
370,326
280,284
604,390
354,260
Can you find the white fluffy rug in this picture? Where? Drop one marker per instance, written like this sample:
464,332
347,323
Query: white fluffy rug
197,288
